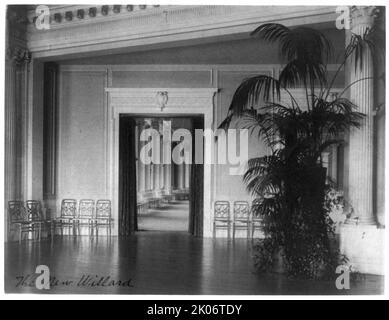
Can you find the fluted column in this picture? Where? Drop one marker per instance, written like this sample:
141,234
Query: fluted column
361,140
147,177
155,166
168,178
187,175
167,157
161,167
156,177
10,125
181,176
16,75
141,165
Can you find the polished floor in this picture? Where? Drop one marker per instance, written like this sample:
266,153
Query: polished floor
173,216
154,263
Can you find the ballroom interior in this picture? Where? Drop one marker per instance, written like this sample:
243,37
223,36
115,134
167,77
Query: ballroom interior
79,93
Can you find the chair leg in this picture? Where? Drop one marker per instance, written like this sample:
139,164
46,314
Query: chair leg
233,231
214,230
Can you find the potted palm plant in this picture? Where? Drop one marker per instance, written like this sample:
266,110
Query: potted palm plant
290,182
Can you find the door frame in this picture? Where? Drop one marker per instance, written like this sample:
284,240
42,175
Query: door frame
143,101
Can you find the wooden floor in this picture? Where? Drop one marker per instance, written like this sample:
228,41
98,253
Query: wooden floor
156,263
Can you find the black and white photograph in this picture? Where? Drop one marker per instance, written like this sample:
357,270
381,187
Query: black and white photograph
183,149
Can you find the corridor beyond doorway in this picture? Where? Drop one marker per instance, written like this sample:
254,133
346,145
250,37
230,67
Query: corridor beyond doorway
164,185
172,216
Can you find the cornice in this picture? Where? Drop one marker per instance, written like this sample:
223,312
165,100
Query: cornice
117,31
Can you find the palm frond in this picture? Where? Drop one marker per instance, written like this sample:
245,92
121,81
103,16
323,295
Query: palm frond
261,178
253,90
266,206
299,73
337,116
301,43
250,93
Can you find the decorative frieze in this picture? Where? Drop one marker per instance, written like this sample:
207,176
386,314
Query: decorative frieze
104,10
80,13
92,12
58,16
68,15
116,8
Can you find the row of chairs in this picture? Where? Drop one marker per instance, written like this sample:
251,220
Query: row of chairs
151,200
242,217
89,214
28,218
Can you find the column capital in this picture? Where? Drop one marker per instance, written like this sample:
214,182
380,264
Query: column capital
18,55
362,17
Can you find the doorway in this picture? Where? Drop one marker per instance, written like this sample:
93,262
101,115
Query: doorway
159,196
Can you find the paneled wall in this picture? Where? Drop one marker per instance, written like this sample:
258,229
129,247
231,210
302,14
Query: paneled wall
82,135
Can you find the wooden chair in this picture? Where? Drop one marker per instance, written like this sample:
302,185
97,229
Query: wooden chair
68,215
85,217
256,222
221,217
35,217
241,218
17,218
103,216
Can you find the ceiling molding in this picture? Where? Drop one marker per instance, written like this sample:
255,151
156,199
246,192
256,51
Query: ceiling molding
165,24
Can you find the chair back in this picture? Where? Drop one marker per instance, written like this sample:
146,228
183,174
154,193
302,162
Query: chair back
222,210
86,208
68,208
103,209
34,210
16,211
241,211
